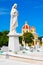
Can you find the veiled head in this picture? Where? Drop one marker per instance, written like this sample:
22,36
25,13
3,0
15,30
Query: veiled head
15,6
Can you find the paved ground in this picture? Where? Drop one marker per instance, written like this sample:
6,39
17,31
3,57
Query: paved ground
14,59
18,61
13,62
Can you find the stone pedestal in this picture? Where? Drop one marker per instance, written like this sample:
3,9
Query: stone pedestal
13,45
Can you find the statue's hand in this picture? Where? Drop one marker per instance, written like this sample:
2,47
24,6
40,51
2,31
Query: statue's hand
14,12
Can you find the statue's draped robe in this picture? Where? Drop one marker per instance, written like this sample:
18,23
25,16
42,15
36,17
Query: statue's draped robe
13,22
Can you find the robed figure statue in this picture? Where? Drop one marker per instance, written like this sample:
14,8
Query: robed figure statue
14,21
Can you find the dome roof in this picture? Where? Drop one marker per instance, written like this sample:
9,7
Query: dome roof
26,26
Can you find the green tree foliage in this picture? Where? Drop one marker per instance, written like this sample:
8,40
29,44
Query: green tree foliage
20,39
28,37
3,38
40,38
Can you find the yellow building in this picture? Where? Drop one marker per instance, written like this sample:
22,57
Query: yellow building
27,28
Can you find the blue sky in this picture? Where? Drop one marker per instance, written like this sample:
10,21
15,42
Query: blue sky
29,10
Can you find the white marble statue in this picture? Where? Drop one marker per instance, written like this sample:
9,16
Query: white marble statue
13,22
13,45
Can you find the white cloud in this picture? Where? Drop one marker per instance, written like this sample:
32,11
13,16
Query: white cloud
41,6
4,11
3,0
1,13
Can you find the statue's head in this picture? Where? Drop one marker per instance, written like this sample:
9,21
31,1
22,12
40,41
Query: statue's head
15,6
